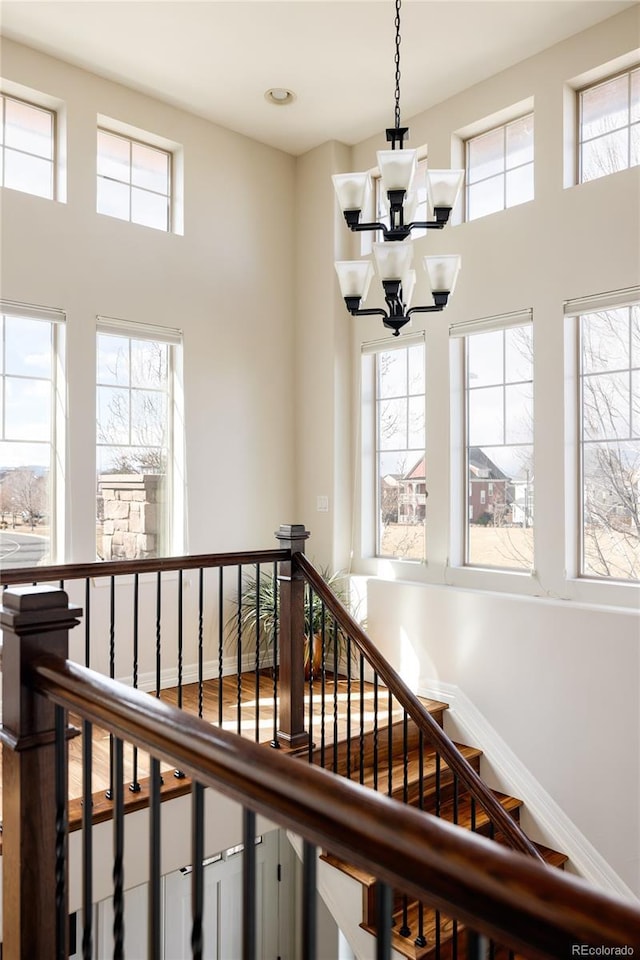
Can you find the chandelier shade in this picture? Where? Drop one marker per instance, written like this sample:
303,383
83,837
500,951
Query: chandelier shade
399,202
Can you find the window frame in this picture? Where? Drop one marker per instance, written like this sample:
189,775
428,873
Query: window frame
53,113
174,522
579,92
503,174
57,441
148,144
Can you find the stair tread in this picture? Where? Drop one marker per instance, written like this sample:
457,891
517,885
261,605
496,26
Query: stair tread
413,766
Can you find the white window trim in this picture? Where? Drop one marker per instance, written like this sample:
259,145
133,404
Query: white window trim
38,103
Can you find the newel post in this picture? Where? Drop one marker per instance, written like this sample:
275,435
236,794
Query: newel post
34,620
291,730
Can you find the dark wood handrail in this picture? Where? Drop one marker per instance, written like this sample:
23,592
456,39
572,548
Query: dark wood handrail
416,710
113,568
501,893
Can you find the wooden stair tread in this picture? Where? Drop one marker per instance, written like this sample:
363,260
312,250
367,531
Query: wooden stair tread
413,767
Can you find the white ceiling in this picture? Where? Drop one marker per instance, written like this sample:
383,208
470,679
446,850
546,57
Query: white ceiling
216,59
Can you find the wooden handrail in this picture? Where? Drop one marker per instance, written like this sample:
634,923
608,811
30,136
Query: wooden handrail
112,568
494,890
418,713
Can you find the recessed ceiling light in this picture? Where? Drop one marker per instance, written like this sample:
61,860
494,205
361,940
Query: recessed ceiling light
279,96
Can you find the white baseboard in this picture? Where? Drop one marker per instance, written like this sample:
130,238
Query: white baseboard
169,676
558,830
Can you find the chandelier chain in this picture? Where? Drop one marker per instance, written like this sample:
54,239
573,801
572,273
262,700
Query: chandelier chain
397,63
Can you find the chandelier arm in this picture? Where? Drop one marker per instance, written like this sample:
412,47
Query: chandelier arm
435,308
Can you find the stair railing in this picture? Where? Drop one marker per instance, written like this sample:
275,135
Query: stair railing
538,912
367,655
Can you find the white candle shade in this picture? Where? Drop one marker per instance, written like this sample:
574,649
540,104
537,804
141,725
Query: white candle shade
354,277
393,260
442,272
443,187
352,190
397,168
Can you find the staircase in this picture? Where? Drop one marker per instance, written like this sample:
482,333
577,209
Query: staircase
378,760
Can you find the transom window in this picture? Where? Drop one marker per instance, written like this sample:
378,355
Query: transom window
29,400
499,447
134,181
138,450
610,443
609,126
500,168
401,495
27,147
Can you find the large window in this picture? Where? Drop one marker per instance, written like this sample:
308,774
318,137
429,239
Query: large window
139,450
499,446
610,442
401,494
609,126
500,168
134,181
27,147
31,396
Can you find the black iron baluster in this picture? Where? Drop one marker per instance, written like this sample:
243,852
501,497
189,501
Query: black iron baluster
220,643
421,940
309,901
405,930
335,697
390,743
454,940
61,832
158,633
87,622
239,656
257,667
492,949
322,682
375,731
275,667
456,795
311,648
87,841
155,902
473,814
179,774
197,870
134,786
249,931
361,736
201,642
438,936
384,910
112,669
437,809
348,708
118,852
475,946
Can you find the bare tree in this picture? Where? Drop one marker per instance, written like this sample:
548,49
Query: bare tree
26,494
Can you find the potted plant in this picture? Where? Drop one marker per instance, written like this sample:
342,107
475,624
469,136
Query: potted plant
256,615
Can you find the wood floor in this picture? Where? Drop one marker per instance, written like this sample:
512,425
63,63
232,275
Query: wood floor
255,722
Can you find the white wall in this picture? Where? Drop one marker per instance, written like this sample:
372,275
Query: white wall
224,283
552,662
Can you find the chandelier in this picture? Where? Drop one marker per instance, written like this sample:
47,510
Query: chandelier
393,256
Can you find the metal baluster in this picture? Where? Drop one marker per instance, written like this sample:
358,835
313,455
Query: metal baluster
87,841
179,774
421,940
454,940
201,642
87,622
348,708
438,936
322,683
197,871
158,632
384,910
437,810
118,852
476,946
335,697
155,902
390,743
112,670
239,656
275,667
456,792
309,626
257,667
249,931
405,930
220,641
309,901
134,786
361,734
473,814
61,832
375,731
